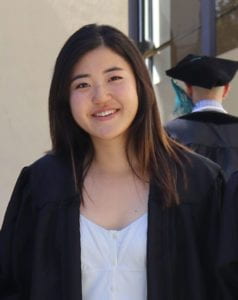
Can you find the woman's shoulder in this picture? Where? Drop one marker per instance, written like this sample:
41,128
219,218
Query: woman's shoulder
199,164
200,177
51,160
48,179
49,165
233,179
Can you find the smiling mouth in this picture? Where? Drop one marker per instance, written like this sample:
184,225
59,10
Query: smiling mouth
105,113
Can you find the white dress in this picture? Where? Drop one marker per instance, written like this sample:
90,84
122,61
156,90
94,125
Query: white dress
113,261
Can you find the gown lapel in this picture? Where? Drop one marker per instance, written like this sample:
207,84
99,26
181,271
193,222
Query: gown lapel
158,248
70,251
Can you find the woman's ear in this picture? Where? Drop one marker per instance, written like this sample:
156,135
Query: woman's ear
226,90
189,90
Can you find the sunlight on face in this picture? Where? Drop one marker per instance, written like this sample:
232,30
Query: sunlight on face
103,94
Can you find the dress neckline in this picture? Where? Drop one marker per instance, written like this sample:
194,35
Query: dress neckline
137,220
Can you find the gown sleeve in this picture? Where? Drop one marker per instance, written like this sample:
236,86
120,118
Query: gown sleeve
13,233
228,261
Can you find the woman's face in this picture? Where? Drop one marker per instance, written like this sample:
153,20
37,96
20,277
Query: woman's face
103,94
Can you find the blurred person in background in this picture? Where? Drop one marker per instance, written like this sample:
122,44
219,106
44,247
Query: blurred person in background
204,124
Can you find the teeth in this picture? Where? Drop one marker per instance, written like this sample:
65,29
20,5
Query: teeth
105,113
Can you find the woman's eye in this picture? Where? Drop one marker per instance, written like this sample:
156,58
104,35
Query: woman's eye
114,78
82,85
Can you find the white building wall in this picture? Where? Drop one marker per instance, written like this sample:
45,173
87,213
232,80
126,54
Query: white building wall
32,33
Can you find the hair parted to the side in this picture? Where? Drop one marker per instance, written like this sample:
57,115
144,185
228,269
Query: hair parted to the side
156,154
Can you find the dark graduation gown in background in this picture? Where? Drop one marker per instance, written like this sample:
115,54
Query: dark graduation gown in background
209,133
229,238
40,236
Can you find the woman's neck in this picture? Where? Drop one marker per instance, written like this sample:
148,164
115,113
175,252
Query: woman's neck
110,158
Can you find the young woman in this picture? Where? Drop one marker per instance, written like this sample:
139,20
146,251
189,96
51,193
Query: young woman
116,210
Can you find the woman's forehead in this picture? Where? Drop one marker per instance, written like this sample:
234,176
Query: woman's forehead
101,58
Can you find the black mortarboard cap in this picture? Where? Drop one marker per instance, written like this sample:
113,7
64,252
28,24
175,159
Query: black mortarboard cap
204,71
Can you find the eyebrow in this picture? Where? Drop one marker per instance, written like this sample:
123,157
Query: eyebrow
87,75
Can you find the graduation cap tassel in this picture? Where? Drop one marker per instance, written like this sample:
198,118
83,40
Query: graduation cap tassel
183,104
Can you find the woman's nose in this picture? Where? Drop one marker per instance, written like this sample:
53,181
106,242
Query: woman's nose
100,94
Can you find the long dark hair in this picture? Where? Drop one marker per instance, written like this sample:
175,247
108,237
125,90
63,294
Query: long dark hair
156,153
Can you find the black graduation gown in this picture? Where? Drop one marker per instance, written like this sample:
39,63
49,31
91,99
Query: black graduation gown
209,133
40,237
228,260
